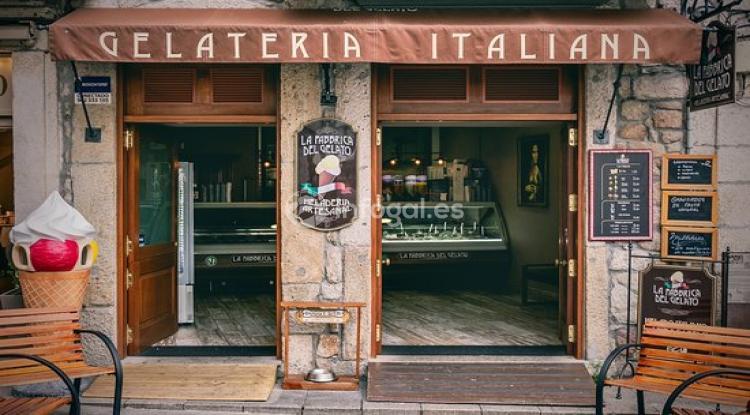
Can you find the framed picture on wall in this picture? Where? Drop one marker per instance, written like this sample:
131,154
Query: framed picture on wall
533,171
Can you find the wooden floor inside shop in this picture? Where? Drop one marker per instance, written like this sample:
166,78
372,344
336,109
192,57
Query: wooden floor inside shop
229,320
466,318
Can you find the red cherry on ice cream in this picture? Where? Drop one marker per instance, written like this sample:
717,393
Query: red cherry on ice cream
51,255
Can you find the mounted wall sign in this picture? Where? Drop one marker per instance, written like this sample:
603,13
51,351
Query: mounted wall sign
689,243
689,172
689,208
677,294
620,195
712,80
326,174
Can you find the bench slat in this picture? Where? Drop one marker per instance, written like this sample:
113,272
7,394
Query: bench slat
38,328
692,345
726,382
31,406
693,393
722,361
693,328
55,338
42,318
41,377
52,357
703,337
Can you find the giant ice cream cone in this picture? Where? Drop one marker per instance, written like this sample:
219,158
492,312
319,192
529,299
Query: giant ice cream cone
327,170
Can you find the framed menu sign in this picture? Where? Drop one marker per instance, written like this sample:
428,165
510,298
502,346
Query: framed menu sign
620,195
689,243
689,208
326,172
689,172
677,294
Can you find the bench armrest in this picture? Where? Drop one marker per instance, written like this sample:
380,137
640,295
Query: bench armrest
75,404
667,410
602,375
107,342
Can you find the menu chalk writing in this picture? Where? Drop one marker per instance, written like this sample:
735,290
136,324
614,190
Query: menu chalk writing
689,208
676,294
326,174
620,195
689,172
689,243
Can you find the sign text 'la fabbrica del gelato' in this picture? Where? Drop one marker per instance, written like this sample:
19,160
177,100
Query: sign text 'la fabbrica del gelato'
326,174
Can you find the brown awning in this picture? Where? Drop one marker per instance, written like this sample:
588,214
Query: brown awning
435,36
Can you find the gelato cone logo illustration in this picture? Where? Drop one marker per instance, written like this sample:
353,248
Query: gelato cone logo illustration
328,169
326,174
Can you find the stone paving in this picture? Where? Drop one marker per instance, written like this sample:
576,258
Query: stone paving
345,403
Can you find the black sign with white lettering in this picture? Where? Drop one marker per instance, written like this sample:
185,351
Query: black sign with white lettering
689,208
712,80
326,174
686,171
677,294
620,195
689,243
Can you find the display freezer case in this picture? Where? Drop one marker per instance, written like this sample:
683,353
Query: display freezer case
435,232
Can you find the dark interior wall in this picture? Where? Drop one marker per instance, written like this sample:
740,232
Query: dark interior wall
231,150
533,231
6,169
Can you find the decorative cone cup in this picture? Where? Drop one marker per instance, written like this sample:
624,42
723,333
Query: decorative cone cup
54,289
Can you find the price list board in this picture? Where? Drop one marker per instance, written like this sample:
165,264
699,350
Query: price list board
620,195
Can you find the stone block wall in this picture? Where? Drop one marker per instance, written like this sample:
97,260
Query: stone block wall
330,266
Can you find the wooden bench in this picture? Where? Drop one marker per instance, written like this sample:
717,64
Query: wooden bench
29,337
710,364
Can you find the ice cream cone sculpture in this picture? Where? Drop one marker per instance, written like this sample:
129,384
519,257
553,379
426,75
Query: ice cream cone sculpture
54,237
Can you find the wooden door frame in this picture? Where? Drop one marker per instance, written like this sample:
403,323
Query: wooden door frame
121,173
376,170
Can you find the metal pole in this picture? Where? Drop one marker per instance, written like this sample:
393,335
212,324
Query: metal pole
630,285
724,286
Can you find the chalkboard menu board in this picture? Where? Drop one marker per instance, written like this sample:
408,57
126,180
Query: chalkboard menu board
688,172
620,195
689,208
689,243
676,294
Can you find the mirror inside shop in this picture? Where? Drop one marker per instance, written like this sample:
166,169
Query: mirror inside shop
471,221
226,234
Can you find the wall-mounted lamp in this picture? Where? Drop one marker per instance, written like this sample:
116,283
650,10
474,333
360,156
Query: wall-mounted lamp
327,97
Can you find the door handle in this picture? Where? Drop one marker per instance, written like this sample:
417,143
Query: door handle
561,262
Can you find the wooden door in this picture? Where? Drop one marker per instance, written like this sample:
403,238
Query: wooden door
567,246
377,243
152,244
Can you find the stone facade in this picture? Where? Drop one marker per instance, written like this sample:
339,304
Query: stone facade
333,266
650,112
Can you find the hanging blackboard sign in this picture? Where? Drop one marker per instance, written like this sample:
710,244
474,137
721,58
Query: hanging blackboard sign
689,208
712,80
620,195
689,243
689,172
676,294
326,174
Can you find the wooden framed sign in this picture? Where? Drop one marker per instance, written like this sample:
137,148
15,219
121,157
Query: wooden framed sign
682,208
620,195
326,174
688,172
678,294
689,243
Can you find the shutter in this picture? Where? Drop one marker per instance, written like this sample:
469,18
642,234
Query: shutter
430,84
237,84
171,85
522,84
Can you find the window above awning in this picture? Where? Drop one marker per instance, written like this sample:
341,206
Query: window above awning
424,37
